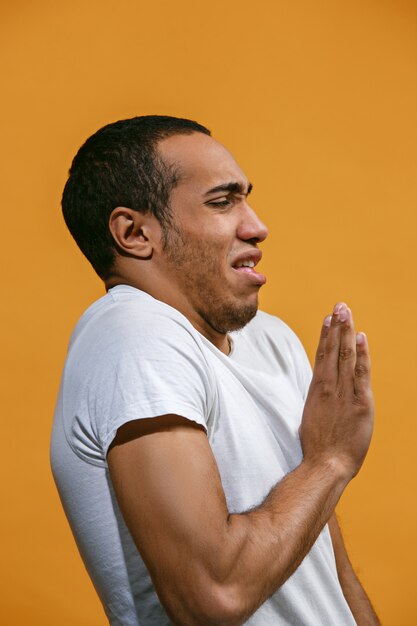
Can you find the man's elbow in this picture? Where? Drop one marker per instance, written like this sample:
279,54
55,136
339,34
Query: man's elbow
224,607
211,605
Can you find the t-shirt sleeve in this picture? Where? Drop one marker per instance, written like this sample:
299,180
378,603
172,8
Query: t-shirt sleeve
148,367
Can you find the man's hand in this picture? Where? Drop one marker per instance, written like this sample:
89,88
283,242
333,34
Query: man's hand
338,415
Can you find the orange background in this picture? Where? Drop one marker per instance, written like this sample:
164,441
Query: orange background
318,101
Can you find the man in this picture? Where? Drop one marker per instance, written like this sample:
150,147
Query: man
197,466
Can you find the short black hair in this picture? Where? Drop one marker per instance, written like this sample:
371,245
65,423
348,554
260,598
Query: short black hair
120,166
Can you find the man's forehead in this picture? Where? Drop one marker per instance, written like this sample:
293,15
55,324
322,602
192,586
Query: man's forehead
201,160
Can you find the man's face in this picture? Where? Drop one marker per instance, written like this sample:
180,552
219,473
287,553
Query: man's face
214,233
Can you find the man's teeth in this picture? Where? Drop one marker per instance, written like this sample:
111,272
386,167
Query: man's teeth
246,264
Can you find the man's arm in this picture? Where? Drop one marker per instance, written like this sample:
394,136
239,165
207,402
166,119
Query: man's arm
215,568
353,591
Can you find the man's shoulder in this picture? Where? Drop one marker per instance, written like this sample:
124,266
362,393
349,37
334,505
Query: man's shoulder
125,308
128,321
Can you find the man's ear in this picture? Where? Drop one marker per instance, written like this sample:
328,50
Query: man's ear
134,232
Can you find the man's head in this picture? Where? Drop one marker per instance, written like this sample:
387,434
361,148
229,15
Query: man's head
120,166
194,244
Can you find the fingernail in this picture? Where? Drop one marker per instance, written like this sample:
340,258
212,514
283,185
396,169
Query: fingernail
338,307
360,338
344,315
327,321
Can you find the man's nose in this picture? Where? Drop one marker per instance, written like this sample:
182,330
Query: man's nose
251,227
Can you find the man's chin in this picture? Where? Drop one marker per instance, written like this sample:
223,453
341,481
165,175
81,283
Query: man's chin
232,317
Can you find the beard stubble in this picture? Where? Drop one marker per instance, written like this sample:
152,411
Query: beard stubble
197,264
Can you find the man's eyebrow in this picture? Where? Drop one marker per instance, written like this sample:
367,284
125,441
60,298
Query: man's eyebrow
233,187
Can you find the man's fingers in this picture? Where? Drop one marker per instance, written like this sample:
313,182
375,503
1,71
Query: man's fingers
347,350
362,379
320,353
342,358
327,356
330,366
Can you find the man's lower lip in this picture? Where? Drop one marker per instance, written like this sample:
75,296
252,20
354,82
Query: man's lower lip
250,274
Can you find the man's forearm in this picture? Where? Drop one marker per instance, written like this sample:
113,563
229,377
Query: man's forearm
353,591
267,544
357,599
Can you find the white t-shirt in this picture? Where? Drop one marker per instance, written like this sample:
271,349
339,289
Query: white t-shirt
132,357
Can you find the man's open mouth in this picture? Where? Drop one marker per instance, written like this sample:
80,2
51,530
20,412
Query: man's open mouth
245,263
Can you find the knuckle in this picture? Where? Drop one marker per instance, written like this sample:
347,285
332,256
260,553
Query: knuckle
358,401
324,388
341,393
361,370
364,400
346,353
320,355
324,394
368,398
